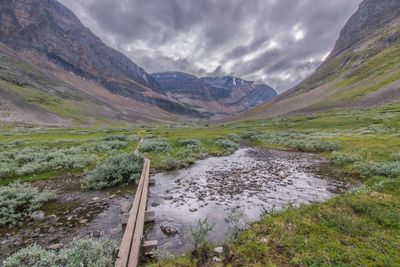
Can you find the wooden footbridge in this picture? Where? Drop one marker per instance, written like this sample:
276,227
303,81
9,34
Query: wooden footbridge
132,245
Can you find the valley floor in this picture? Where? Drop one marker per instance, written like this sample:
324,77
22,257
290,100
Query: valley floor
360,228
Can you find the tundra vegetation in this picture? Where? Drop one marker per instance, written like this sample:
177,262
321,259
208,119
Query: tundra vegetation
360,228
19,200
82,252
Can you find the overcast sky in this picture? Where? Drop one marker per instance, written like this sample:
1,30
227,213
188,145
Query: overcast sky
278,42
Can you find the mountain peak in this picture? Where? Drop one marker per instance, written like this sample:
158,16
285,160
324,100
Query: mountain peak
222,95
370,16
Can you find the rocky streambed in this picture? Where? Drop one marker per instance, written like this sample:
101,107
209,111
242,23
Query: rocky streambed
254,180
257,181
72,214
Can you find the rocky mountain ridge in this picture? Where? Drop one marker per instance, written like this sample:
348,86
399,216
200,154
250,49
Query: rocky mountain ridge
48,34
218,95
362,70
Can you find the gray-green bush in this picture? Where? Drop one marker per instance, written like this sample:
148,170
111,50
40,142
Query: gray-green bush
83,252
88,252
237,221
19,200
117,169
341,159
390,169
27,161
227,144
199,232
395,156
156,144
33,256
190,142
299,141
313,145
169,163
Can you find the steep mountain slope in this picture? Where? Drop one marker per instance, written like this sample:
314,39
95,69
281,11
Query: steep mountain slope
48,35
29,95
362,70
220,96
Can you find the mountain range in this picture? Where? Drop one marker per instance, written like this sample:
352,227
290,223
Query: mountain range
222,96
55,71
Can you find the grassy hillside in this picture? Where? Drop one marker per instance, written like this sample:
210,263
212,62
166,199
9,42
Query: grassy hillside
31,96
367,74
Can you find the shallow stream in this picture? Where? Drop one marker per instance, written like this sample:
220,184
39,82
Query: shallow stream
257,181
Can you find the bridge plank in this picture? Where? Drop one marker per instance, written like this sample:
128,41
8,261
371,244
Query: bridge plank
137,237
127,240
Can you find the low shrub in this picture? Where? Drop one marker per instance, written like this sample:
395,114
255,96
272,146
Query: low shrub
235,137
391,169
341,159
19,200
227,144
115,137
313,145
89,252
30,168
199,233
83,252
44,158
117,169
7,169
395,156
65,161
237,221
33,256
105,146
156,144
190,142
169,163
253,137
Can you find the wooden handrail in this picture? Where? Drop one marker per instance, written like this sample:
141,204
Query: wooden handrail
129,251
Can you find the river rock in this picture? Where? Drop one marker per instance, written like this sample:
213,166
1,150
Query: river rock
219,250
56,246
52,218
216,259
96,234
38,216
155,204
169,229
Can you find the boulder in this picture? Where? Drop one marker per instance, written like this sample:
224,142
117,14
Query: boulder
169,229
38,216
219,250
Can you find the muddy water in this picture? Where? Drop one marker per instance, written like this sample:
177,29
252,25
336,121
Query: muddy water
256,181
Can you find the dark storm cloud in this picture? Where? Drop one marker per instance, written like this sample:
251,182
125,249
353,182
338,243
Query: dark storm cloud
278,42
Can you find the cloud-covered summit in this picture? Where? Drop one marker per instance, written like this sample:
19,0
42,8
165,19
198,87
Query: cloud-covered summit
278,42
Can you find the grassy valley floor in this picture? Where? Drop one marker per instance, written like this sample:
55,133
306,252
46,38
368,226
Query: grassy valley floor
361,228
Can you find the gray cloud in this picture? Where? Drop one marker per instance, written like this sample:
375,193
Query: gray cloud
278,42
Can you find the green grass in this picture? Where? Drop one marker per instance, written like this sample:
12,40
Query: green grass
356,229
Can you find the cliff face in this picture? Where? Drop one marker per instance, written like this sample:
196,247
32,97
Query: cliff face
49,29
219,95
371,16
